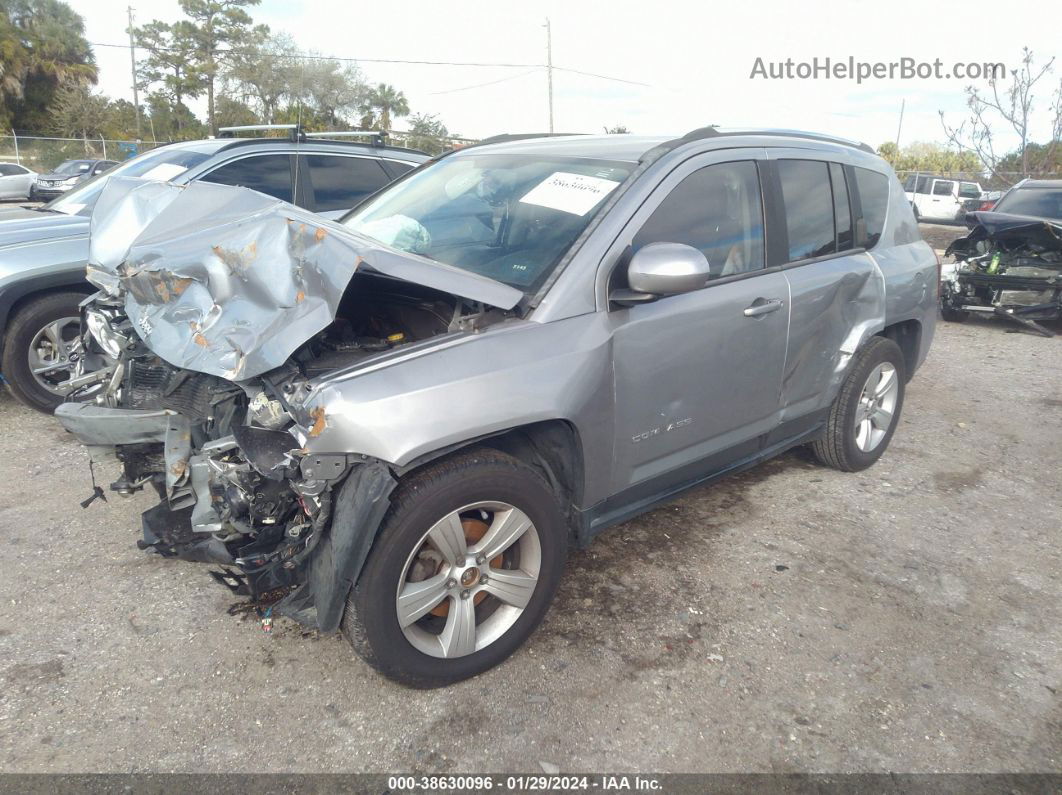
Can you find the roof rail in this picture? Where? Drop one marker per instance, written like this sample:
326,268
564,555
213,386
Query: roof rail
376,137
712,131
294,130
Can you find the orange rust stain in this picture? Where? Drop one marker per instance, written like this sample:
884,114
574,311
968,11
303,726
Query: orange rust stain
320,234
319,424
200,340
179,468
300,296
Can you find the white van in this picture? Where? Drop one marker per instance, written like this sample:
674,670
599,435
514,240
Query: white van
939,198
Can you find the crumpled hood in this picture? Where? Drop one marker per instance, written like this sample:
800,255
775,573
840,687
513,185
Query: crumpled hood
230,282
1009,231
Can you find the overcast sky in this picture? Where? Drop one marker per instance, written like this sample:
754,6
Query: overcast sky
695,59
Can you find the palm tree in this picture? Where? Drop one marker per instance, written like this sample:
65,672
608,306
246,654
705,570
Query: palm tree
387,101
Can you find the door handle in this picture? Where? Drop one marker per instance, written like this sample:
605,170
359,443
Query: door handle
763,306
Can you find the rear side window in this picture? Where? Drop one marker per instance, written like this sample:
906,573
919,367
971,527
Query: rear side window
969,190
874,197
716,209
842,211
341,182
942,188
269,174
808,200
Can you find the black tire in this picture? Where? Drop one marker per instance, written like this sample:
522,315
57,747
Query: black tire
370,621
838,448
25,324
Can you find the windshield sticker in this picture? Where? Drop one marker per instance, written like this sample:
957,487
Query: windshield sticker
570,193
164,171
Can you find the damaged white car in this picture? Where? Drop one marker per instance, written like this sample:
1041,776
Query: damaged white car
394,425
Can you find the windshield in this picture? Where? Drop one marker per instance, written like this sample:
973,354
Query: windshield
161,164
508,217
1038,202
73,167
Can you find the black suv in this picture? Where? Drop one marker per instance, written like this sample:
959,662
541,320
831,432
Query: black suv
43,250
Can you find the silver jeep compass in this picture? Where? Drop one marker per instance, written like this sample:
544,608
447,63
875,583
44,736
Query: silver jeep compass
394,425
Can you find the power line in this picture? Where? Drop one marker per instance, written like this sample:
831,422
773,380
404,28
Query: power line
310,57
481,85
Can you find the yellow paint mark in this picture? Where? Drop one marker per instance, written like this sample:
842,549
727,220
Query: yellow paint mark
300,296
200,340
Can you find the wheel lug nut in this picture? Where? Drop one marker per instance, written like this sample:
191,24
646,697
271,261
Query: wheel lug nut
451,583
480,559
465,594
483,579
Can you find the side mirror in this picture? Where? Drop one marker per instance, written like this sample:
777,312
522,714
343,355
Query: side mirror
660,269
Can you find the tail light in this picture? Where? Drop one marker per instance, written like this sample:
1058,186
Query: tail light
987,205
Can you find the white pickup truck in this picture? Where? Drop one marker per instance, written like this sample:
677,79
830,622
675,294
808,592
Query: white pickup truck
939,198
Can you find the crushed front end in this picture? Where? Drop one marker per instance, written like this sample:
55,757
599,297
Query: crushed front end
1008,266
222,309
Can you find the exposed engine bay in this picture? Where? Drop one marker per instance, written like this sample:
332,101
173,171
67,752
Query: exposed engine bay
1008,266
228,456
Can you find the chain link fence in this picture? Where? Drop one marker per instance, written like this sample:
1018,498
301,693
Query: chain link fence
42,153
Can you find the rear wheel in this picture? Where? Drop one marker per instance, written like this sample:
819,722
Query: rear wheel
464,568
865,413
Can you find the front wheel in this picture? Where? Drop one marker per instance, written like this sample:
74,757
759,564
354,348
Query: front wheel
865,413
463,570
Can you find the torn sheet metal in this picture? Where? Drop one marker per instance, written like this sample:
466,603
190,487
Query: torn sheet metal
229,282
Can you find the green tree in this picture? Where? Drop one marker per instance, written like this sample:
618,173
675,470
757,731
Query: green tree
619,129
78,113
264,70
169,122
42,47
217,27
931,157
230,112
381,103
427,133
170,66
328,92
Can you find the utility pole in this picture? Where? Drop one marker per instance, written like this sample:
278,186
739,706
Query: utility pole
549,70
903,103
132,64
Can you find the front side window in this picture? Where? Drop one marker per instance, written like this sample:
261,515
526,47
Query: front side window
717,210
339,183
508,217
941,188
72,168
874,197
808,200
268,174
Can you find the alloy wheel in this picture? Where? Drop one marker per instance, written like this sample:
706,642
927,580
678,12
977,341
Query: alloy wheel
877,404
468,579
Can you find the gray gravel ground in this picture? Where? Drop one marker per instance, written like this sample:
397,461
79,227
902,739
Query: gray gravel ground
907,618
